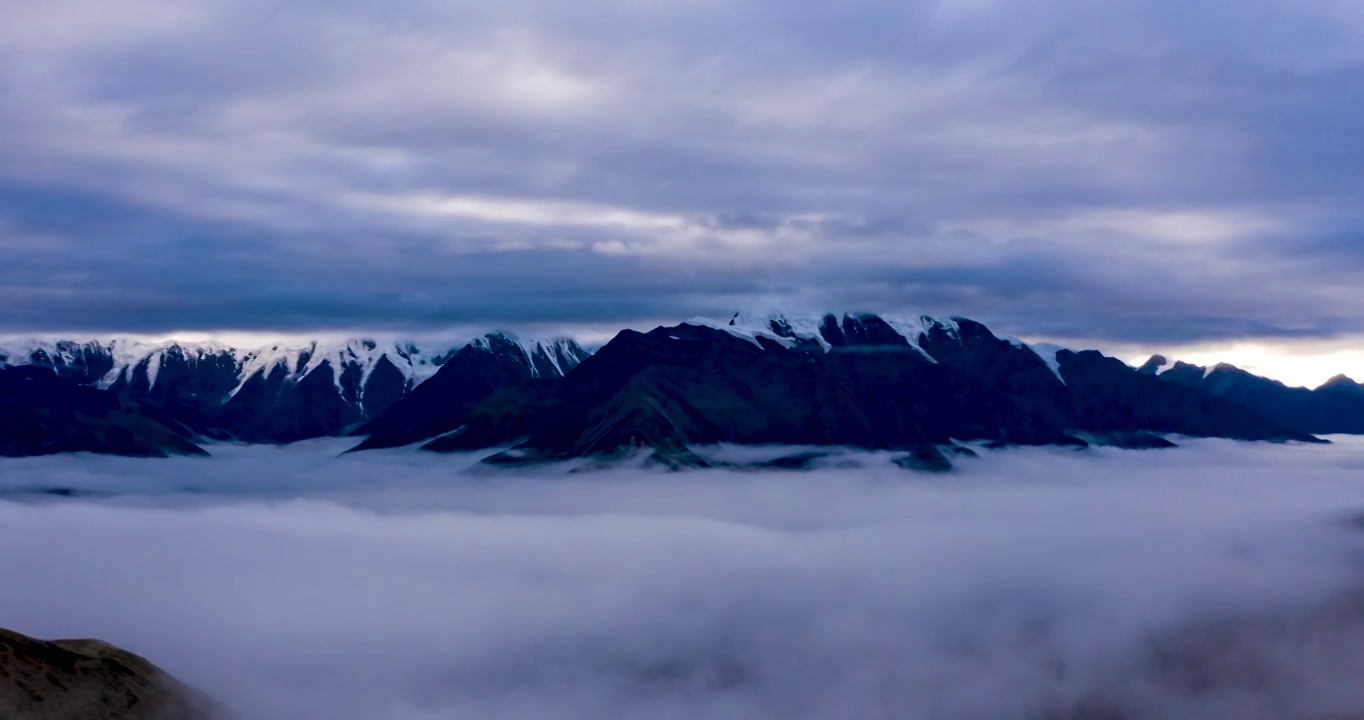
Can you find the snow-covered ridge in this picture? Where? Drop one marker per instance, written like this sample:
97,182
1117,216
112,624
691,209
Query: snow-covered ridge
784,328
299,359
791,329
124,353
555,352
19,351
128,356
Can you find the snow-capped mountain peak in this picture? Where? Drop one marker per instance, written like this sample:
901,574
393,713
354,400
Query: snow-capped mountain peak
127,361
833,329
300,359
281,391
785,328
829,329
544,357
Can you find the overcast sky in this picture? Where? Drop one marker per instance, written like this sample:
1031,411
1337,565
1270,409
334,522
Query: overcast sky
1127,174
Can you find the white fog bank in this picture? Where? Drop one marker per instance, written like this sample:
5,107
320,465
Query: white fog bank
1215,581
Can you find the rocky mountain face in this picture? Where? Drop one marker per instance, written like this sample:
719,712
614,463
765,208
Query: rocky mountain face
489,368
90,680
278,393
854,380
1335,407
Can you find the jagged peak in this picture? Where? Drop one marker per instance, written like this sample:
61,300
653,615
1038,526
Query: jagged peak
301,358
131,355
950,324
124,352
790,329
20,350
1155,365
554,350
1186,369
1047,352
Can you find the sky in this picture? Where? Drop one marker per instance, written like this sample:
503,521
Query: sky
1039,583
1138,175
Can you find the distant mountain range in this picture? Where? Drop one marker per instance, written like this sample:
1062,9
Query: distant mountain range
917,386
275,394
1337,407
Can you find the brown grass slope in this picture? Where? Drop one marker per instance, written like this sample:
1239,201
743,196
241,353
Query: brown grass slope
90,680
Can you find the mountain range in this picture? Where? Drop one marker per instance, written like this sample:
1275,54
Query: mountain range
275,394
920,387
1337,407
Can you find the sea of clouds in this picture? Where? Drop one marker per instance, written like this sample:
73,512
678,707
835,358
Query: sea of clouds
1219,580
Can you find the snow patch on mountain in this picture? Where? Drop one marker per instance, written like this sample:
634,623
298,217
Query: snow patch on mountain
25,351
553,351
1225,367
130,354
913,329
790,329
1046,351
747,335
560,349
926,323
125,353
787,330
298,360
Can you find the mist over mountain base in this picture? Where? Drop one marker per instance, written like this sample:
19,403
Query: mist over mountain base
1214,580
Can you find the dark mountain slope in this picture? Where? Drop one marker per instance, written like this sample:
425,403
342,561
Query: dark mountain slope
855,380
679,386
1108,396
42,414
182,386
495,363
270,408
1335,407
1011,394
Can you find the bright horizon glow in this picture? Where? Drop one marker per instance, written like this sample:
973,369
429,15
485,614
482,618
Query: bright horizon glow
1284,362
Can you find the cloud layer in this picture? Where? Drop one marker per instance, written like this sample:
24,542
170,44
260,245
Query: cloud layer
1208,582
1130,172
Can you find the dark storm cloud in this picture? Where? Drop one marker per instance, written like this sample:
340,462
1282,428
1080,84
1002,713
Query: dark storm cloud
1127,171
